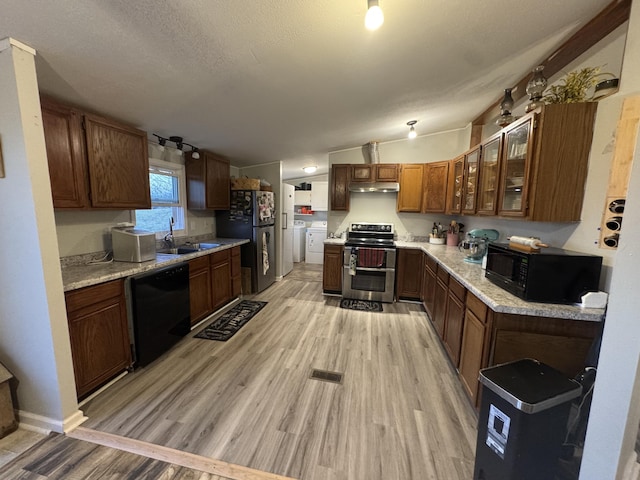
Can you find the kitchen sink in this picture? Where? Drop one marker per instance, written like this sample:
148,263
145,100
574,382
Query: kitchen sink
190,248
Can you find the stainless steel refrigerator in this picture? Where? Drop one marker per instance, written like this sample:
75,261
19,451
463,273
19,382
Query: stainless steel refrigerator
252,215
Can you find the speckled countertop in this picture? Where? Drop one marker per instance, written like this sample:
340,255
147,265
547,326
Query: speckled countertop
471,275
76,276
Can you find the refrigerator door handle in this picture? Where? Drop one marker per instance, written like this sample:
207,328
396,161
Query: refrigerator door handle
285,221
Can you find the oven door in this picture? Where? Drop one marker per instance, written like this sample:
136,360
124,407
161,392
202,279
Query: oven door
369,273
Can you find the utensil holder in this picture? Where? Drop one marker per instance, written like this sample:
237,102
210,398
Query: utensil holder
453,239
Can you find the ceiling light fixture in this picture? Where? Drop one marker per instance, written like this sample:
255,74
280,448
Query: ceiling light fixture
162,141
374,18
310,169
412,130
194,151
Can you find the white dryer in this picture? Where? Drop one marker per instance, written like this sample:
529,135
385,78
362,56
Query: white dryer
299,240
316,235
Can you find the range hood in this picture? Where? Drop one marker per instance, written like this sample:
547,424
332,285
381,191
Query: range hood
383,187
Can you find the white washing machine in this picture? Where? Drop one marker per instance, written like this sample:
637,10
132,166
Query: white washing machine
316,235
299,240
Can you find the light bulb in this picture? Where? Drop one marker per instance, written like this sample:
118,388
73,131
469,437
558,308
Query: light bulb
374,18
310,169
412,132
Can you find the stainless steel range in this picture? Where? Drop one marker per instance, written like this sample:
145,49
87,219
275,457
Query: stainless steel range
369,267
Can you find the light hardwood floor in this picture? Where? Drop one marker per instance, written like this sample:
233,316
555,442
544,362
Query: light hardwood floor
400,412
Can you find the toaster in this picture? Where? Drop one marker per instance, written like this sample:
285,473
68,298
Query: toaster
133,245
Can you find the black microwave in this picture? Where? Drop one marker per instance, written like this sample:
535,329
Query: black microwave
550,275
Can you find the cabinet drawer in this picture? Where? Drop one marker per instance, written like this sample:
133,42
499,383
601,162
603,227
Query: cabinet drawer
443,275
477,306
431,262
219,257
457,289
88,296
200,263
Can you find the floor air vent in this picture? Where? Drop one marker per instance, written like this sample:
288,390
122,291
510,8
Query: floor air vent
326,376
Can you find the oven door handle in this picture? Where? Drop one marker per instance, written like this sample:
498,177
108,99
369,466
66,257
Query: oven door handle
368,269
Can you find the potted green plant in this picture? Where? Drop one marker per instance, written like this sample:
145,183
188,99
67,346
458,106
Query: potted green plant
575,86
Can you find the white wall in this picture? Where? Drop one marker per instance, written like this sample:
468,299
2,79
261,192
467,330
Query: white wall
34,344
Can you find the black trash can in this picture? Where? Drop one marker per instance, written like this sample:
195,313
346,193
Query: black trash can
523,421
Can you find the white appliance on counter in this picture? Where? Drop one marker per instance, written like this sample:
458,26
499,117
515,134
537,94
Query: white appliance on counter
316,235
287,227
299,240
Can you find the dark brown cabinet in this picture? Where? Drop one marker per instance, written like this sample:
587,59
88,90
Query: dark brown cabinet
220,278
470,180
429,284
409,274
454,320
440,301
94,162
377,172
474,349
332,269
99,334
487,199
200,292
410,194
339,186
208,181
435,187
236,273
454,186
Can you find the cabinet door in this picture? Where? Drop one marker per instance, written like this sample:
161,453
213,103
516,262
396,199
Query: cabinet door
454,186
429,285
516,159
332,269
387,172
472,354
410,194
200,292
435,187
440,307
362,173
409,273
220,268
218,186
339,188
64,140
320,196
118,164
489,176
99,334
236,272
302,197
470,181
453,327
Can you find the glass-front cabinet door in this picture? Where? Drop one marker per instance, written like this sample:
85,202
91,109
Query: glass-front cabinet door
489,176
515,167
470,180
454,189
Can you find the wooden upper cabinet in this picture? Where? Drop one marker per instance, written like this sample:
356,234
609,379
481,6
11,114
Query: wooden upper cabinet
487,198
435,187
410,194
118,164
94,162
454,185
65,154
339,186
208,181
378,172
514,168
470,180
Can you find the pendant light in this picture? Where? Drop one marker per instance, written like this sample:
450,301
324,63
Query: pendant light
374,18
412,130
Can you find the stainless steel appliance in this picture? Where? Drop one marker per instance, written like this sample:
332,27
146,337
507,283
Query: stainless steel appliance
252,215
369,268
159,311
131,244
551,275
475,245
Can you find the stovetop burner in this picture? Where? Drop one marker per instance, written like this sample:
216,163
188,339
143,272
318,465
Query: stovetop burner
373,235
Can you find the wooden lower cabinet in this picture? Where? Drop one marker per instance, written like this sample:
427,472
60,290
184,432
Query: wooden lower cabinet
99,334
440,301
454,320
220,266
409,274
332,269
473,354
200,292
236,273
429,285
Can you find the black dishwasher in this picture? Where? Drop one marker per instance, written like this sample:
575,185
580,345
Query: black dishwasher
160,314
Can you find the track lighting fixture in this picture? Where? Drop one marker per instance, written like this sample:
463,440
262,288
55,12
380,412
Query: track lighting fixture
374,18
412,130
179,144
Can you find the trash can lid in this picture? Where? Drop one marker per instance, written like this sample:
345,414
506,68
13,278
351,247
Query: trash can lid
529,385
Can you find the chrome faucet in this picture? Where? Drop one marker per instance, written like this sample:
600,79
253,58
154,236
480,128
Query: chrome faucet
169,241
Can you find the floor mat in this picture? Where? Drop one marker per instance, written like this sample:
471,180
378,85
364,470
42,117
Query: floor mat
364,305
225,326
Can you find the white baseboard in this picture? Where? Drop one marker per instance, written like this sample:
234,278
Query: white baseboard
42,424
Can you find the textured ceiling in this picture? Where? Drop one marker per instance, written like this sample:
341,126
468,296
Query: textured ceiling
287,80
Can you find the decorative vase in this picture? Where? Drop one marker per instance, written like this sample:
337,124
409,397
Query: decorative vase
506,105
535,88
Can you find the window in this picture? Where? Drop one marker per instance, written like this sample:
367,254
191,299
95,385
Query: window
167,199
